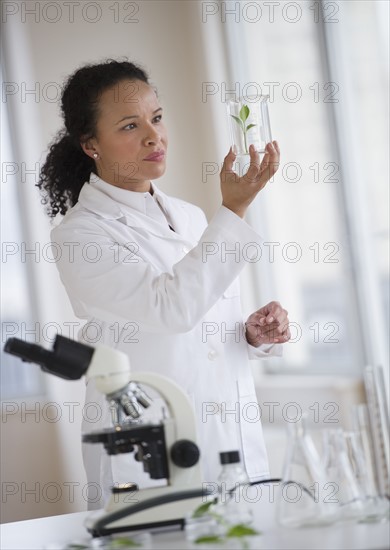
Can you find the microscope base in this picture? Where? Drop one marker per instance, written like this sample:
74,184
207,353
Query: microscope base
151,509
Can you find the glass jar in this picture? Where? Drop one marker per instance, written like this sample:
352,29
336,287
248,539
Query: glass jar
249,123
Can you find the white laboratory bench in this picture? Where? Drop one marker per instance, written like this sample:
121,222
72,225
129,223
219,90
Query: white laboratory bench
57,531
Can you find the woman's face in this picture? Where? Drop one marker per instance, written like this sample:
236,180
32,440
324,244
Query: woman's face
131,139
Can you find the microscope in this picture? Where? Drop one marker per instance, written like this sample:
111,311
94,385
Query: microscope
166,448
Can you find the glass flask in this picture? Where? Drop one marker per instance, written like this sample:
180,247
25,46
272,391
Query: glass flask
249,123
305,497
340,472
347,467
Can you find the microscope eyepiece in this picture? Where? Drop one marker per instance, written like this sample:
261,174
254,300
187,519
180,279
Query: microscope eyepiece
26,351
69,359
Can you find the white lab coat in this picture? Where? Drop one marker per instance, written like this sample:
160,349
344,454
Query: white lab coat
170,300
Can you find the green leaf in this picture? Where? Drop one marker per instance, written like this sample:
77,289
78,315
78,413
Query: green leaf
211,538
238,121
241,530
250,126
244,113
123,542
202,509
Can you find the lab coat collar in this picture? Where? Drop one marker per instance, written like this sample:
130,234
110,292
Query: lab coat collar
111,202
111,205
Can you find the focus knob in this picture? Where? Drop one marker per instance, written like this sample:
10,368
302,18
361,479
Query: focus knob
185,453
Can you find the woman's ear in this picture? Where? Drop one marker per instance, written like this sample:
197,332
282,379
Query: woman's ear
88,145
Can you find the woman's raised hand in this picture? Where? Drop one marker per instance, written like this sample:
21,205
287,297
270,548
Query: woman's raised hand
239,192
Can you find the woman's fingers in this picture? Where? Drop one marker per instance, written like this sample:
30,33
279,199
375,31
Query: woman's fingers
254,165
268,166
228,161
238,192
274,158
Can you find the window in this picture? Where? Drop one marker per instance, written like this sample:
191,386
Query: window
18,379
324,218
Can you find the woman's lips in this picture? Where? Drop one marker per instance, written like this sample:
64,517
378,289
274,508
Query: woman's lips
156,157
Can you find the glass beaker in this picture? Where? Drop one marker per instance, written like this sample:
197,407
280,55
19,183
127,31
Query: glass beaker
248,119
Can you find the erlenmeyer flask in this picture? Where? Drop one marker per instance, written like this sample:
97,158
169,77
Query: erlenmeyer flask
304,498
341,452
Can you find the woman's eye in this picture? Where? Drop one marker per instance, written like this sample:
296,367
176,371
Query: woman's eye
157,118
129,126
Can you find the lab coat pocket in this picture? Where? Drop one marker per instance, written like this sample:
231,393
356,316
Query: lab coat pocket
255,454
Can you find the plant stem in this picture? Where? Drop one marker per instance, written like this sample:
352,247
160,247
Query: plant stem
245,143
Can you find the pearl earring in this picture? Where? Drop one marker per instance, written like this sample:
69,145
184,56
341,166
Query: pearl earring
95,156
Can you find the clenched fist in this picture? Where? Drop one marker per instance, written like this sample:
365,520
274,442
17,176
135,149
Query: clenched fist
268,325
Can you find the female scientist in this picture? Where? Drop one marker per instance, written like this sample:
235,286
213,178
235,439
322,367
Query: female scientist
149,274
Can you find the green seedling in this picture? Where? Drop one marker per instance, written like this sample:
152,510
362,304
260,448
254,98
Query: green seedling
239,531
123,542
203,509
213,539
241,121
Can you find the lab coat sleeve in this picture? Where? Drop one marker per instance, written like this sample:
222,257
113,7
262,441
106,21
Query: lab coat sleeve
112,289
265,350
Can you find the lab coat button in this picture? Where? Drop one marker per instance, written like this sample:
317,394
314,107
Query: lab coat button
212,355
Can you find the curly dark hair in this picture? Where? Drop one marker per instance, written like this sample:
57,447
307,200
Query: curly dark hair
67,167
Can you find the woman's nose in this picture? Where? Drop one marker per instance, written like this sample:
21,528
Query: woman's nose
152,135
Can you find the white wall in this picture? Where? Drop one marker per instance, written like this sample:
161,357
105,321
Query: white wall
167,41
